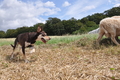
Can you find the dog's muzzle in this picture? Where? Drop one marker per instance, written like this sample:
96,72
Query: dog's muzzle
43,40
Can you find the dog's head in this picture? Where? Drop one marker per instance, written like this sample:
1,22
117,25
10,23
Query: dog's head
43,36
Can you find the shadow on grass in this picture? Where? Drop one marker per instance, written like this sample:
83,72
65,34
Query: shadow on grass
90,44
18,59
106,42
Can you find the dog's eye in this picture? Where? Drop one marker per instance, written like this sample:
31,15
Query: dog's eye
43,34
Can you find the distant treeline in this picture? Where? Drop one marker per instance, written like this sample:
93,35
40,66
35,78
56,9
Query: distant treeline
55,26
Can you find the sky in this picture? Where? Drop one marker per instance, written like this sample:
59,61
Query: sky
19,13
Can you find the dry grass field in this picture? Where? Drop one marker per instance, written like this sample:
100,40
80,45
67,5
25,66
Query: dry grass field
76,60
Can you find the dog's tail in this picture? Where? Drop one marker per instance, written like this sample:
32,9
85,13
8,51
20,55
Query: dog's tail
15,43
12,46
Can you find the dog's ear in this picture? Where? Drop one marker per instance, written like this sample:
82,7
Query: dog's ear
39,29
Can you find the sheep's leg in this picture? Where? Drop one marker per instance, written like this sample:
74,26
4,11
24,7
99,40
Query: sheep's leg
99,37
113,39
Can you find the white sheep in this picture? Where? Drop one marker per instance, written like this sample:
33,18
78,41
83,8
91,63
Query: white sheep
110,27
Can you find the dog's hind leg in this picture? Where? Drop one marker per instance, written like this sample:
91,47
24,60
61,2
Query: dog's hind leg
14,47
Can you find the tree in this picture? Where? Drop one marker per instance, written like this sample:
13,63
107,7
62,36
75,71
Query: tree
2,34
91,24
82,28
54,26
34,27
112,12
22,30
97,17
84,20
11,33
70,25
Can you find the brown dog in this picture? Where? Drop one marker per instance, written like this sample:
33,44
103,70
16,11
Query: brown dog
28,39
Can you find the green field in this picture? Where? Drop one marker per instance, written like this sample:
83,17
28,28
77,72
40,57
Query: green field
54,39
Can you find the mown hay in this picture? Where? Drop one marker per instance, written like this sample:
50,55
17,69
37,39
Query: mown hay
62,62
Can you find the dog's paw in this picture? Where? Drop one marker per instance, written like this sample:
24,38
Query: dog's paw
26,61
33,50
11,57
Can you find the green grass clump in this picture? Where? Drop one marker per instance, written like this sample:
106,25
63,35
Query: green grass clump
4,42
67,39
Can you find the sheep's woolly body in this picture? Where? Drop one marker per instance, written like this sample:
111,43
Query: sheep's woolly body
110,27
